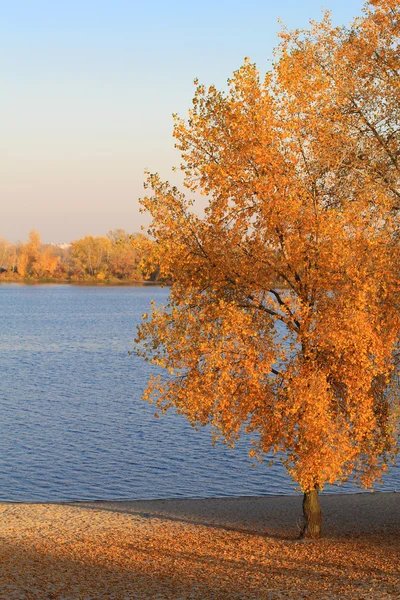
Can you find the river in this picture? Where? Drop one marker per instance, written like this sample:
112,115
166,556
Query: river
73,425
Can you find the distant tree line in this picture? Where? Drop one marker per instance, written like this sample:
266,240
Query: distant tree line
118,256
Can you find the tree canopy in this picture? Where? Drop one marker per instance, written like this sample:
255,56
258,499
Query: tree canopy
117,257
283,316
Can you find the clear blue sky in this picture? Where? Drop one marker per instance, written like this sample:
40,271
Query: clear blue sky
88,89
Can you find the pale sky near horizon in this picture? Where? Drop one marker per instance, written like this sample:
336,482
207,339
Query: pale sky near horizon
88,90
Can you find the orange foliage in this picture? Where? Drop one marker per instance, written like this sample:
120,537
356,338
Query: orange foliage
302,175
45,264
29,254
118,257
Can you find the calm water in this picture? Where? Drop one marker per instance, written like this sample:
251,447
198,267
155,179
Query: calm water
73,425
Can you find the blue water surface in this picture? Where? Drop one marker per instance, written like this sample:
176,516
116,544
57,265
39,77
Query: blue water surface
72,422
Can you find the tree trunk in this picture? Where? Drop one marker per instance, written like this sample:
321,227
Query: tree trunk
312,515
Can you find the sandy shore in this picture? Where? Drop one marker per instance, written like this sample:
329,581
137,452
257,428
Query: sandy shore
231,548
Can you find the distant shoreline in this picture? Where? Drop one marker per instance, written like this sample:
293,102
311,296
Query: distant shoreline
89,283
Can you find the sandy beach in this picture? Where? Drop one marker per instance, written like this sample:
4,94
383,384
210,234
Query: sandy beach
231,548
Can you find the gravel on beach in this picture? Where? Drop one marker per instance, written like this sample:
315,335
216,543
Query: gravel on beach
228,548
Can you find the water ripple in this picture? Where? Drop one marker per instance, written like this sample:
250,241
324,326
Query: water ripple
73,425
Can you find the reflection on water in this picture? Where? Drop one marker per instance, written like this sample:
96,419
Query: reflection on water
73,425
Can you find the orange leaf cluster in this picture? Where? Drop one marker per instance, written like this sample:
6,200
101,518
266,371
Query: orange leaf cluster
283,315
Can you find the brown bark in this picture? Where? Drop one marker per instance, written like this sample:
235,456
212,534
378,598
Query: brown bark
312,515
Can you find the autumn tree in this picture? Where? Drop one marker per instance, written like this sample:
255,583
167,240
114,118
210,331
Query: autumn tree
46,262
126,255
283,316
4,246
8,256
28,254
343,86
146,256
91,256
119,236
121,256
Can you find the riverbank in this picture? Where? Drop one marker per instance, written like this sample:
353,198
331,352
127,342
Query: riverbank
235,548
84,282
